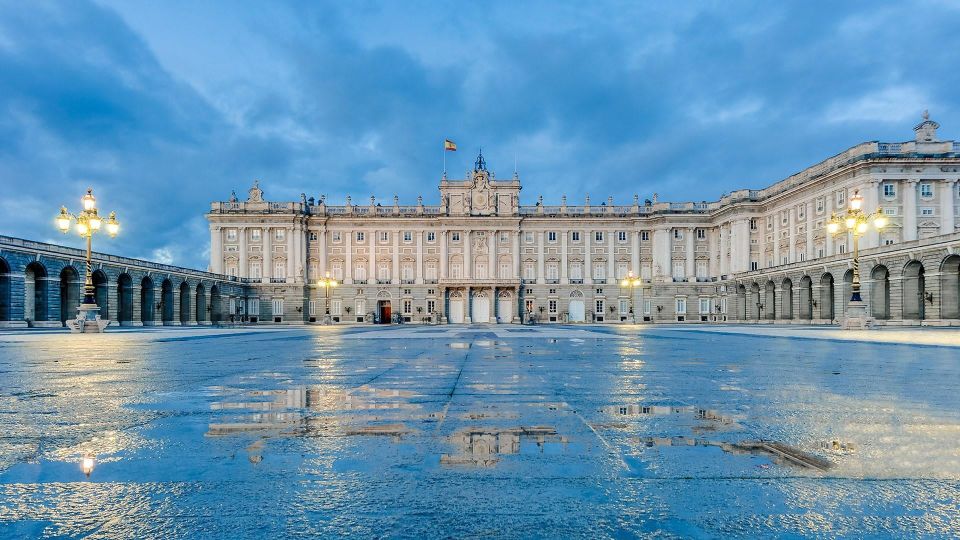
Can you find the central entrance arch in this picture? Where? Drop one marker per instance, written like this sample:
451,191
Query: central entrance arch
455,316
481,308
505,307
576,311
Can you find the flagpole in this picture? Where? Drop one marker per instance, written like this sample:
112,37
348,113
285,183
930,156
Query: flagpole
444,146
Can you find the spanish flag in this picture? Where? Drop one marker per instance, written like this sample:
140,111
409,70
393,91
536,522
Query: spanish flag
449,145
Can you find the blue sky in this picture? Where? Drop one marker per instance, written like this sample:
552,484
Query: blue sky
163,107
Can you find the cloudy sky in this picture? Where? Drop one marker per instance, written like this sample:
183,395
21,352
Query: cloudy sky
163,107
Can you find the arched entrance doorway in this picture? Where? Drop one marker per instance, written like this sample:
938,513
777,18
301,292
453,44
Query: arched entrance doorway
4,290
455,315
124,299
481,307
100,293
880,292
184,303
505,307
847,292
754,302
166,302
806,298
201,303
577,310
35,293
950,287
146,301
216,306
770,301
826,297
742,301
70,286
786,299
913,291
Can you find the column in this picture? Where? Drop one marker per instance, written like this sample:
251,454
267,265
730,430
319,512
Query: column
563,257
910,210
612,249
828,211
792,246
418,272
947,194
372,259
776,239
713,239
467,256
192,312
216,249
661,254
176,302
492,250
516,254
444,256
291,254
691,256
322,239
587,263
541,276
267,254
871,202
242,268
395,274
635,253
348,271
811,219
724,240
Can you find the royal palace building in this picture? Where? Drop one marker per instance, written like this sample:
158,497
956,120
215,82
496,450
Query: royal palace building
480,256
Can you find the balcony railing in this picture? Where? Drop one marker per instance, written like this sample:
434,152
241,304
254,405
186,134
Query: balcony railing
278,280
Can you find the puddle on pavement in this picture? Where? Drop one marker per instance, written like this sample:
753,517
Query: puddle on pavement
779,453
483,447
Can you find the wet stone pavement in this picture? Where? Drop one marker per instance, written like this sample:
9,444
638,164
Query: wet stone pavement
476,431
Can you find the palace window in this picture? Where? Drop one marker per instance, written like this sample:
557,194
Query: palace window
431,270
621,236
336,237
407,307
253,306
407,271
337,270
890,211
278,234
255,270
361,307
704,306
681,305
552,306
841,199
624,305
598,306
528,306
598,291
312,310
255,235
384,236
431,237
312,236
552,236
599,270
754,265
504,237
677,234
575,236
455,236
360,236
753,224
336,307
679,270
553,270
889,190
528,237
431,306
926,190
820,205
456,270
529,272
407,236
702,269
231,235
621,270
576,271
504,270
598,236
701,234
277,307
280,269
926,211
360,271
644,236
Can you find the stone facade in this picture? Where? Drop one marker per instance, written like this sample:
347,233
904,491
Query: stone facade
481,256
41,285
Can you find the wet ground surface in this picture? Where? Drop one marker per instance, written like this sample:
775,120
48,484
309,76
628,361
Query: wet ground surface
476,431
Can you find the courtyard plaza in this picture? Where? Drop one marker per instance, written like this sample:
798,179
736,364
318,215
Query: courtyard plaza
483,430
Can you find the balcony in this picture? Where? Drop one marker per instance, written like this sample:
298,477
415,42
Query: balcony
278,280
383,282
359,282
576,282
599,281
430,281
553,281
407,281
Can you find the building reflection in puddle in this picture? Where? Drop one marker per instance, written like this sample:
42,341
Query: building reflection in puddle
483,447
663,410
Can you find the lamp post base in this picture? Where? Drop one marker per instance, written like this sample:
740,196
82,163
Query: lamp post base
856,317
88,320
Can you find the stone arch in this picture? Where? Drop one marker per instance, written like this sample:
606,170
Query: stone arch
184,303
826,297
124,299
166,301
147,301
216,305
847,292
201,303
805,303
786,299
384,294
742,300
456,294
753,301
880,292
576,294
950,287
35,292
5,304
70,286
506,295
914,291
101,292
770,301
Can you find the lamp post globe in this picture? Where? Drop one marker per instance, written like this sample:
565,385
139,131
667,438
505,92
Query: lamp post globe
855,222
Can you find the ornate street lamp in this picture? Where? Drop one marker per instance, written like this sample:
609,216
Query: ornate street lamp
856,222
630,283
327,282
87,463
87,223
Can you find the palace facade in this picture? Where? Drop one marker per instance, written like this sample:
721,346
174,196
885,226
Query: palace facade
481,256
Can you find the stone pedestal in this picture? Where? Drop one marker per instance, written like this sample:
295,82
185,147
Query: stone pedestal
88,320
856,317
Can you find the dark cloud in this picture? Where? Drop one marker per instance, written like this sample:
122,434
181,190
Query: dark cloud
163,107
